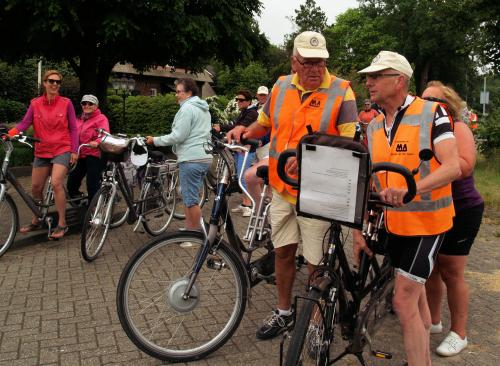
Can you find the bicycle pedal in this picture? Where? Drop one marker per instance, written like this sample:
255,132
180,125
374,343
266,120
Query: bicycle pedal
382,354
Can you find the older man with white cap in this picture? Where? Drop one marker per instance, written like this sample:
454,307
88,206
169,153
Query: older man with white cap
310,96
405,126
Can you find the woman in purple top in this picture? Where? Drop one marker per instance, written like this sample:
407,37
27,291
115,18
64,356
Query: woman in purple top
54,123
452,258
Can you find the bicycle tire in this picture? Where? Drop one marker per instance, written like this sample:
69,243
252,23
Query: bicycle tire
157,217
10,222
160,268
95,226
120,209
300,350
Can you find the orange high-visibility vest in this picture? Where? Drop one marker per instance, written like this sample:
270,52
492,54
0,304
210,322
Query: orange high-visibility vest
473,121
289,116
429,213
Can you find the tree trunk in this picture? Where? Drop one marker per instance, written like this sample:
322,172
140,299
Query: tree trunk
423,77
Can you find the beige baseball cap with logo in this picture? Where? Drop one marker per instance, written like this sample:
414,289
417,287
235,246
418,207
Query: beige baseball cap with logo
389,60
310,45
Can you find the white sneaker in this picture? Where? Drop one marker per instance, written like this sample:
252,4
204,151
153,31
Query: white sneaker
238,208
246,212
437,328
452,345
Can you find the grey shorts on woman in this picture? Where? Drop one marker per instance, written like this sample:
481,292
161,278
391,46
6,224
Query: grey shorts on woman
62,159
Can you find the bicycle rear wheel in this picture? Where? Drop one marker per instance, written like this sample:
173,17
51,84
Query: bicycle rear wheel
157,217
179,205
120,209
96,224
310,344
153,312
10,223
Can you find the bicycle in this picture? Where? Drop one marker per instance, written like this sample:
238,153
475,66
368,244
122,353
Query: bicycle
182,279
357,300
150,209
40,209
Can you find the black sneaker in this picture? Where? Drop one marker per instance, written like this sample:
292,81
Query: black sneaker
275,325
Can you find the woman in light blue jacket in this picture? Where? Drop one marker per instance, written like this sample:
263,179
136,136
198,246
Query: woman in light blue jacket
190,131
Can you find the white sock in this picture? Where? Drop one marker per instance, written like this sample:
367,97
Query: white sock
284,312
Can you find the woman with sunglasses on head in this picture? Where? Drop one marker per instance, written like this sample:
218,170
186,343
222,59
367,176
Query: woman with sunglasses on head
54,123
89,162
452,257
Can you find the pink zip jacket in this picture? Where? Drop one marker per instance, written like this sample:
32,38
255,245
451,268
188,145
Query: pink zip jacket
87,131
54,123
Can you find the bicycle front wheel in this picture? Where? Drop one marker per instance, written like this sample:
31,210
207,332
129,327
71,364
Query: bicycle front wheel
153,311
156,216
309,344
10,223
96,224
120,209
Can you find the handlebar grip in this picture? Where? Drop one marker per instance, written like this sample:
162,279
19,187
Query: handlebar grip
282,159
252,142
32,139
401,170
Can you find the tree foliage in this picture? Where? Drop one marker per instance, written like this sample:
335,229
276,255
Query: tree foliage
95,35
250,77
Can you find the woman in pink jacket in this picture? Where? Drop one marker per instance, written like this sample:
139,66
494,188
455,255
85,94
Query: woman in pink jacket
54,123
89,162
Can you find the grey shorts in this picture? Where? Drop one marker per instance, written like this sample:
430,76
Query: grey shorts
62,159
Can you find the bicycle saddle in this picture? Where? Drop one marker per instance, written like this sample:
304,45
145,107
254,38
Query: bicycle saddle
263,172
156,156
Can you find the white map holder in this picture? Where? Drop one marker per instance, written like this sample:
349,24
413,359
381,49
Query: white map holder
332,184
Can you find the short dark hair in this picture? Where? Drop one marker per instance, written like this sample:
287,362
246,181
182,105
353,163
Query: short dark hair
189,85
245,93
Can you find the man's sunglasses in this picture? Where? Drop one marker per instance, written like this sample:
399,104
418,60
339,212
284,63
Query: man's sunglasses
240,99
54,81
89,104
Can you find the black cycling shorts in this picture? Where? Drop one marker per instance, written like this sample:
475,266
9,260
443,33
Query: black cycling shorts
414,256
459,239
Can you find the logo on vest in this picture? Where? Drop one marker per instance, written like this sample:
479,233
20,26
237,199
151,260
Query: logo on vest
401,148
315,103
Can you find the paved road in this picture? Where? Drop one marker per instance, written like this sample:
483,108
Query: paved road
56,309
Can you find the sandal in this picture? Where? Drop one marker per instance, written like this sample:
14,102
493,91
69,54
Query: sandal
58,232
29,228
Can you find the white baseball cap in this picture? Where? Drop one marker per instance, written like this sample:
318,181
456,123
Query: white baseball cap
90,98
263,90
389,60
310,45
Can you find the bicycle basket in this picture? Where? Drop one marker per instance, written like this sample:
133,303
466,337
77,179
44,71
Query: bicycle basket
113,144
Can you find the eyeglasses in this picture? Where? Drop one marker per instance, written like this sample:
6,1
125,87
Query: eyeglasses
87,104
380,75
53,81
311,64
240,99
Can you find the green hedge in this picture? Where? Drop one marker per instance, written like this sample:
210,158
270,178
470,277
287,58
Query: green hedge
21,156
11,111
143,115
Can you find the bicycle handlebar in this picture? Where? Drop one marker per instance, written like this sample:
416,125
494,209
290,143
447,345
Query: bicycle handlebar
390,167
401,170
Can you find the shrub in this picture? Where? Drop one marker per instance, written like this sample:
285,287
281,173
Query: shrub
21,156
11,111
488,133
143,115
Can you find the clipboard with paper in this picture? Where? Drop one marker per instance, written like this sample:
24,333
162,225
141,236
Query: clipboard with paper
333,179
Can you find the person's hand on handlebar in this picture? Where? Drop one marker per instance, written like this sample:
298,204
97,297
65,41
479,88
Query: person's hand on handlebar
292,167
393,196
149,140
359,245
236,134
94,144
